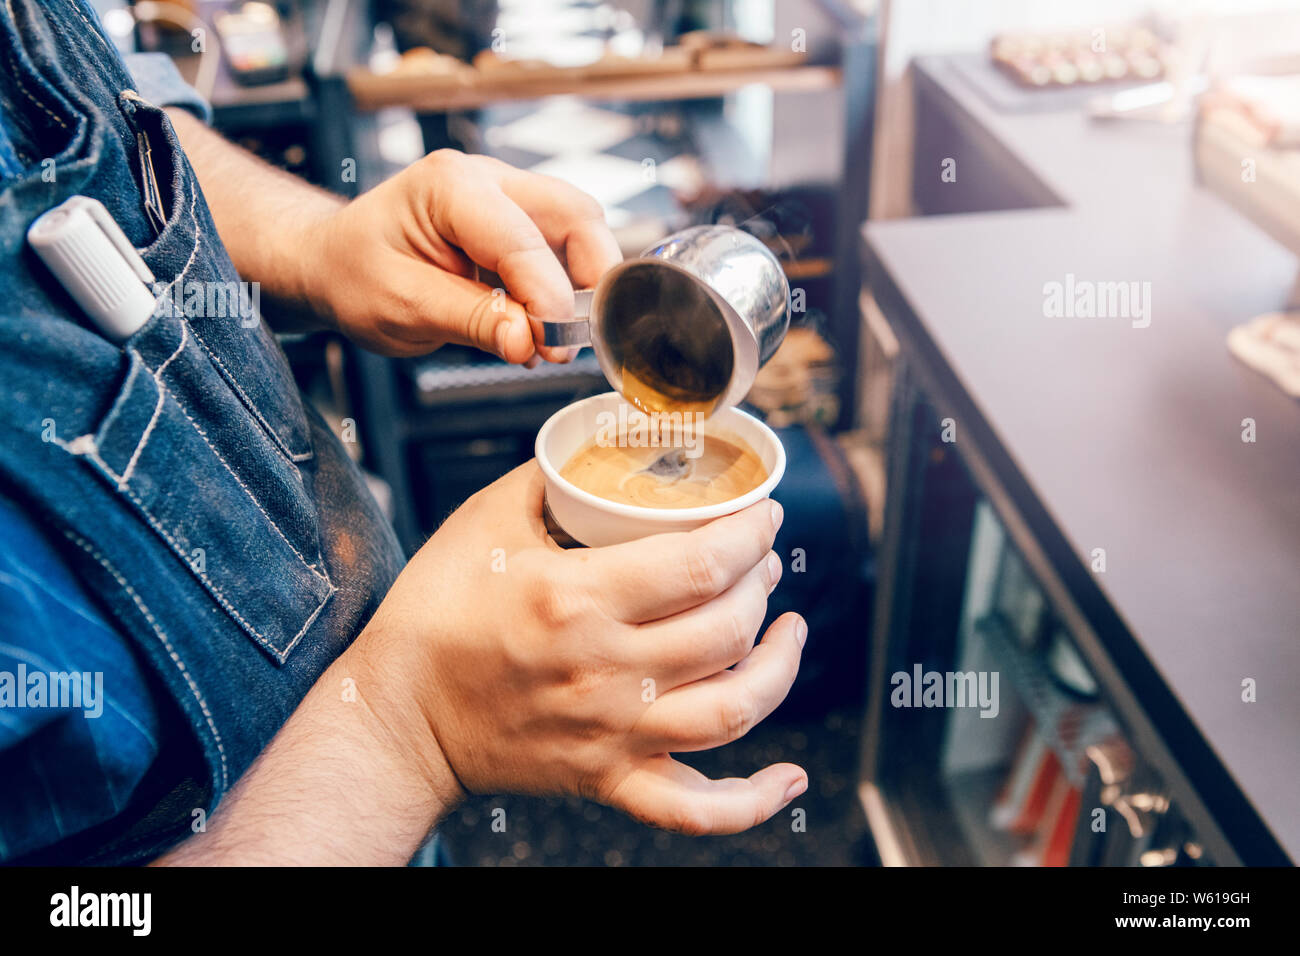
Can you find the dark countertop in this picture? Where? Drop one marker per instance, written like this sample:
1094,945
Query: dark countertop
1130,438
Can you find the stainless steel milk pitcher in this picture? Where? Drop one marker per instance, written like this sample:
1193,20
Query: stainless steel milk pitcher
685,325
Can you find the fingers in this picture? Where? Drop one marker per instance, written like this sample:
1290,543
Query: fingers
669,794
712,637
479,218
570,219
665,574
510,509
468,313
509,221
726,706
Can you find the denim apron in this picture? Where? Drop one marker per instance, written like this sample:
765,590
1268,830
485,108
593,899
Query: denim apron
218,520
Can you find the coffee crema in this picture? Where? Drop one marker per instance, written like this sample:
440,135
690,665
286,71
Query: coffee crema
723,468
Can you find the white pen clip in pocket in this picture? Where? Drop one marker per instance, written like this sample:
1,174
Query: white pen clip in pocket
96,264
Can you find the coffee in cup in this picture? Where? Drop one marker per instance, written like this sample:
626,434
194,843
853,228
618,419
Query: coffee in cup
719,467
577,439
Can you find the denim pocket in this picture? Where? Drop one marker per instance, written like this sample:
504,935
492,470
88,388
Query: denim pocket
44,129
190,262
206,437
245,528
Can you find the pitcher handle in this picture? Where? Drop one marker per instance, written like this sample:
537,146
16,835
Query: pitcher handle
575,333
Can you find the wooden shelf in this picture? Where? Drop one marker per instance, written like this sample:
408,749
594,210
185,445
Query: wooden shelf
435,93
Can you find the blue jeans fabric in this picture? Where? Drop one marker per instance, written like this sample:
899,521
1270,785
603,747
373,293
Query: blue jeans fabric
77,760
215,518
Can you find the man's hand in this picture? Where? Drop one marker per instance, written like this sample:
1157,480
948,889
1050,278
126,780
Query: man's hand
398,264
538,670
502,663
395,268
498,662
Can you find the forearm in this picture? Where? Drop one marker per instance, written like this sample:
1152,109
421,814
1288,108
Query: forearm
354,778
265,217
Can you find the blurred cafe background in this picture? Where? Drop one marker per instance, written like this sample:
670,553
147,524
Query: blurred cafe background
1039,396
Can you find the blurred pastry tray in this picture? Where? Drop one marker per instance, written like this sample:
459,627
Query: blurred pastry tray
1121,53
1007,96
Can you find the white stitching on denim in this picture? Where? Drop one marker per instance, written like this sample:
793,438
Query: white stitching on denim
284,449
216,592
310,621
13,65
127,388
129,470
98,36
198,238
171,652
85,445
93,455
307,564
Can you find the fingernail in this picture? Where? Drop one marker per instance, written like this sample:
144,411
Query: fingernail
773,571
796,789
778,515
801,631
503,338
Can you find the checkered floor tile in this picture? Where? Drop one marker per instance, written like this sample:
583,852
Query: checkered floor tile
605,152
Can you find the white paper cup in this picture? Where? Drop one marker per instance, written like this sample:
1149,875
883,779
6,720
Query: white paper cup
597,522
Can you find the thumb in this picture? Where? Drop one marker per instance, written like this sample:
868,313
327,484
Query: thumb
510,508
471,313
